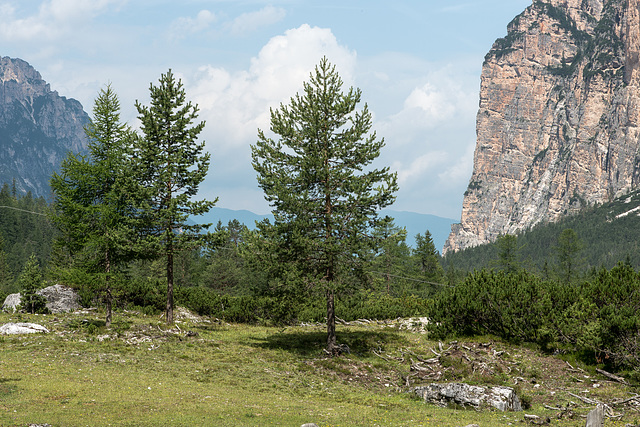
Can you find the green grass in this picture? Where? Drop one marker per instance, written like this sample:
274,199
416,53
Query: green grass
227,375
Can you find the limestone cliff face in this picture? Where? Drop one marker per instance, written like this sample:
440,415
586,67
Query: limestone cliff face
37,128
558,123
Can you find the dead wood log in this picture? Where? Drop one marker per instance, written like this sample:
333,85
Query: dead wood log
630,399
585,399
612,376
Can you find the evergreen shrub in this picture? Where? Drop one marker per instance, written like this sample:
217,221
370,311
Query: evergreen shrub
599,318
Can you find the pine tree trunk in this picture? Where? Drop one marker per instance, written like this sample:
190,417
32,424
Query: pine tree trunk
170,287
109,308
332,346
108,290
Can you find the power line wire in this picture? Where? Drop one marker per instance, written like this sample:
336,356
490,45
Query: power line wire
412,279
23,210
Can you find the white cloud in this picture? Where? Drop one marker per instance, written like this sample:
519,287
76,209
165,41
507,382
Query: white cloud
433,103
183,26
419,166
430,139
458,173
251,21
235,105
53,18
437,102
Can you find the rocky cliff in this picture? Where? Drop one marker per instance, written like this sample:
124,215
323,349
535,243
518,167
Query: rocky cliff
37,128
558,123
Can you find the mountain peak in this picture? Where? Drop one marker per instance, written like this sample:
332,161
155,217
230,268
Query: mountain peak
37,127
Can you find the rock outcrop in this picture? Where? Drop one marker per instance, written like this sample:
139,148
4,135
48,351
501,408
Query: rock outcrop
558,127
501,398
37,128
60,299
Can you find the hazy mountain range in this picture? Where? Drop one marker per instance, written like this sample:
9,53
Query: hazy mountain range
414,222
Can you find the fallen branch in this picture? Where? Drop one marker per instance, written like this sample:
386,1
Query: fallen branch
416,367
553,408
585,399
612,376
622,402
380,356
576,369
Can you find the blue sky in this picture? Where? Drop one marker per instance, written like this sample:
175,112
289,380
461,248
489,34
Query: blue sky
418,63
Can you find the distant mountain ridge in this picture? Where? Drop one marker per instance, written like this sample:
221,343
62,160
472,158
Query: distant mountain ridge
414,222
38,127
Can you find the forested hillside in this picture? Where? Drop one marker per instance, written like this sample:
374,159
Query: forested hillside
606,234
24,230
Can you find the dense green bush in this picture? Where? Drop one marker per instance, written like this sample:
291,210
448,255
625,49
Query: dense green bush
599,318
139,292
290,310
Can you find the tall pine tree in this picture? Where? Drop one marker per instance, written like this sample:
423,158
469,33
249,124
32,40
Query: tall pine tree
94,199
318,180
171,166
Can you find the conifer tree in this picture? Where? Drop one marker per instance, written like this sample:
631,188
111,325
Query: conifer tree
318,180
5,273
30,282
171,166
391,260
567,250
428,258
508,253
94,199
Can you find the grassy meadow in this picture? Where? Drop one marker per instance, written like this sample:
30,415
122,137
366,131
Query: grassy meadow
204,372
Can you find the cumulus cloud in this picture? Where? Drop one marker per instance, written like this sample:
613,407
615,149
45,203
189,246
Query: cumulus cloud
183,26
237,104
251,21
458,172
53,18
419,166
430,140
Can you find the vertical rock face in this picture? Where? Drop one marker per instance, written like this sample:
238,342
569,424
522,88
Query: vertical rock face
37,128
558,123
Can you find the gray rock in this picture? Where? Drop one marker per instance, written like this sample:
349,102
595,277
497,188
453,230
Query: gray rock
11,302
502,398
22,328
595,418
60,299
309,425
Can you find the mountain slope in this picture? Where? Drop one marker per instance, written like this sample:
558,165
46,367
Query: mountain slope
559,124
610,233
37,128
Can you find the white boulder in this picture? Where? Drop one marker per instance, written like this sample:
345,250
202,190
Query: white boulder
502,398
60,299
22,328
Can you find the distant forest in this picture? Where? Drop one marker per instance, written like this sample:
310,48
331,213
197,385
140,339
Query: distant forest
606,235
24,231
